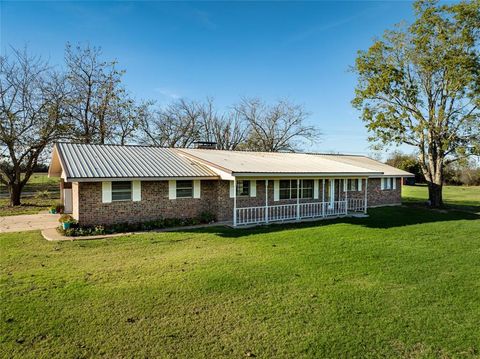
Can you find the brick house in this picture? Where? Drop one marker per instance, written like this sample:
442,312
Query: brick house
107,184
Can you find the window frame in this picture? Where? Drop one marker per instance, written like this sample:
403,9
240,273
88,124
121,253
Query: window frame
248,186
116,191
292,189
352,184
303,188
388,183
183,188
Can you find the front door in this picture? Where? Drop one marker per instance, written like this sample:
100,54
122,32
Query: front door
330,192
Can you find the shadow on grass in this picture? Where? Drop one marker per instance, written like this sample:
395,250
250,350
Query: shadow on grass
380,218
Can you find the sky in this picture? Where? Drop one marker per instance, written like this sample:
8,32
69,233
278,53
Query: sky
301,51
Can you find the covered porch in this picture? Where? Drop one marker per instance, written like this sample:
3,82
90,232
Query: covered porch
300,199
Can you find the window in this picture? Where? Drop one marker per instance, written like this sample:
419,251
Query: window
243,188
388,183
184,189
352,184
307,188
122,191
288,189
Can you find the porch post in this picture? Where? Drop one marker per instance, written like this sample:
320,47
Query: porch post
234,201
346,195
366,197
298,199
323,197
266,201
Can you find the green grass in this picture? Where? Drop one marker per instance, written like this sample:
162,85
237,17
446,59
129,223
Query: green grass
461,197
402,283
30,204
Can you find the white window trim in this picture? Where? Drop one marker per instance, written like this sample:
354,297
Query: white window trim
106,192
136,191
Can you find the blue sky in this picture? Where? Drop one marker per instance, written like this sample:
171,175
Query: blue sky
296,50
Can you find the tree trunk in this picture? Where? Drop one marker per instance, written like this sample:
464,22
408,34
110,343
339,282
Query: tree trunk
435,194
15,194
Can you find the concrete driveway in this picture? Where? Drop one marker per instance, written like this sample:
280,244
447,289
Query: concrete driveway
28,222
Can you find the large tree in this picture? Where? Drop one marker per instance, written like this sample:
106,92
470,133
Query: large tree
420,85
278,127
31,117
95,95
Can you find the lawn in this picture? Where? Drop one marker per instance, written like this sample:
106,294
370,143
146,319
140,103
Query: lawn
402,283
462,197
31,202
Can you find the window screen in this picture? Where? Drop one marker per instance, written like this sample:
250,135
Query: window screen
243,188
121,191
184,189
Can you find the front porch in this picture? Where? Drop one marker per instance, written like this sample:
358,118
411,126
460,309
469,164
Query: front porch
332,202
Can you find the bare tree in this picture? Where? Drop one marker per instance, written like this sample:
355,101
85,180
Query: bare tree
229,130
177,125
94,92
277,127
127,119
31,117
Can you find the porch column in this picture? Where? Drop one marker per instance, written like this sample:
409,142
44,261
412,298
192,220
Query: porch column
366,196
234,201
346,195
323,197
266,201
298,199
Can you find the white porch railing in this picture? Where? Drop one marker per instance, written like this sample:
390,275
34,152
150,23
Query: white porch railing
356,204
288,212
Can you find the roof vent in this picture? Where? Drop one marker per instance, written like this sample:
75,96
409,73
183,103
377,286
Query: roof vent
205,145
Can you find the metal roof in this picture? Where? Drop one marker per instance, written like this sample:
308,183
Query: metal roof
243,163
369,163
85,161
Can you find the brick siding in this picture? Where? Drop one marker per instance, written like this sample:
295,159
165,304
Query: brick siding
89,209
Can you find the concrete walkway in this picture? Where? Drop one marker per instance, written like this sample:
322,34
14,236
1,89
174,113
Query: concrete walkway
28,222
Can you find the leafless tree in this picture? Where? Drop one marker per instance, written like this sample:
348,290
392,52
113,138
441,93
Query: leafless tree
127,119
177,125
94,92
31,117
277,127
228,130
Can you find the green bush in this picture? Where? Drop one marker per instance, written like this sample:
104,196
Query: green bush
207,217
77,231
66,218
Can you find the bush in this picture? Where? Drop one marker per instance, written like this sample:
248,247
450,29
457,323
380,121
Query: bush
207,217
66,218
77,231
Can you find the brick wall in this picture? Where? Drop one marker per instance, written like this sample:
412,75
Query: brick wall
154,204
379,197
215,198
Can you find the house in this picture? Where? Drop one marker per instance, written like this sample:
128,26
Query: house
107,184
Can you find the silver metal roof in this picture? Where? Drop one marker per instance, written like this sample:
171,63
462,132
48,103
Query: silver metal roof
84,161
243,163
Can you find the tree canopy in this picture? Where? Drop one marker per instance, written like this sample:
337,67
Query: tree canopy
420,85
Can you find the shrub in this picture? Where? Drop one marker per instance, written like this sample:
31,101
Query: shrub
207,217
66,218
76,231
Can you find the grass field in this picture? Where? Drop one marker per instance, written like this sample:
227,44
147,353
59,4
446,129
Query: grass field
402,283
30,203
461,197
